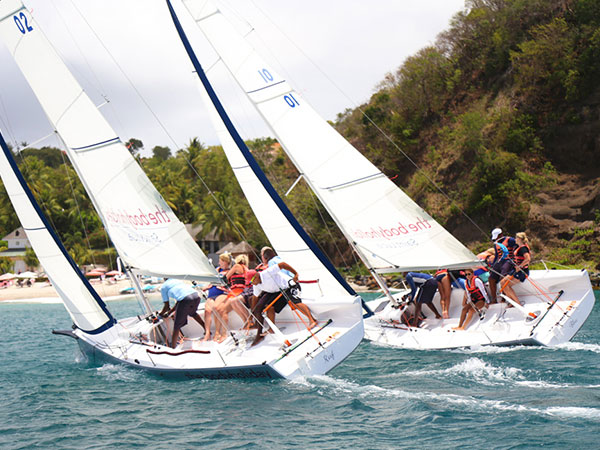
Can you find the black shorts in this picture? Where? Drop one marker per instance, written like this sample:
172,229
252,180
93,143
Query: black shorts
186,308
266,298
496,270
427,291
520,275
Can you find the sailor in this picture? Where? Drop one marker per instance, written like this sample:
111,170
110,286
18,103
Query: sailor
520,271
270,284
425,295
187,301
495,257
474,300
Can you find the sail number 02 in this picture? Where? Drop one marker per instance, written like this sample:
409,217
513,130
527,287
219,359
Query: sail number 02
23,28
267,78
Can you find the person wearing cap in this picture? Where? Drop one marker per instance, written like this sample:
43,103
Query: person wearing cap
270,284
495,257
186,305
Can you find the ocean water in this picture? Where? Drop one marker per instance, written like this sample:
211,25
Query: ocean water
378,398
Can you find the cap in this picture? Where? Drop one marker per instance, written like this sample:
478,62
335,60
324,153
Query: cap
495,233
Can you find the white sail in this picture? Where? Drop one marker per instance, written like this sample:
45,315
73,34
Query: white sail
85,308
283,237
388,229
145,231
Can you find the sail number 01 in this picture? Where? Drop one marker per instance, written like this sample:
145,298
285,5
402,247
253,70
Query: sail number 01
23,28
267,78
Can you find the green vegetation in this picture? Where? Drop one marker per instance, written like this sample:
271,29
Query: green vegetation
490,113
482,111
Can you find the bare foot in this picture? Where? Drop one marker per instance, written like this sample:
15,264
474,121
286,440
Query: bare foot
312,324
217,337
445,314
458,328
439,317
257,339
206,337
221,339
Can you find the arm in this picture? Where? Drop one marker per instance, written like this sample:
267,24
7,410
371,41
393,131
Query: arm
481,287
286,266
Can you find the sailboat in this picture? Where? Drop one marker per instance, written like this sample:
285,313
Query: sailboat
388,230
150,240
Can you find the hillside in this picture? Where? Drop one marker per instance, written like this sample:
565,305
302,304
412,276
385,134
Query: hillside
501,117
502,113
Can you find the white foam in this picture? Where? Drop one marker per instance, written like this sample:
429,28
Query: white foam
117,372
326,385
575,346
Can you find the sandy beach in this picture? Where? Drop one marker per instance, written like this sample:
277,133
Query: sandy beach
42,290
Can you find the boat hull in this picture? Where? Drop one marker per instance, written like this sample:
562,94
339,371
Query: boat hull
557,321
313,352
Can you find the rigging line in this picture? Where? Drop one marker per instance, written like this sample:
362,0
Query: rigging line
328,228
171,138
83,225
383,133
76,42
8,126
139,94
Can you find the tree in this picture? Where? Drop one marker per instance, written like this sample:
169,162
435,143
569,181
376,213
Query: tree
134,145
160,152
31,260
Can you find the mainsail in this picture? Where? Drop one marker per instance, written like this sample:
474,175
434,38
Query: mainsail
143,228
283,231
387,228
86,308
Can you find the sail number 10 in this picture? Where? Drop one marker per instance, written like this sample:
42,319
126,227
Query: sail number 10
267,78
22,23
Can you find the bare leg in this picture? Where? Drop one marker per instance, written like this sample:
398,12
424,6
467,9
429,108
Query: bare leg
445,290
492,282
463,315
208,309
508,290
435,311
304,310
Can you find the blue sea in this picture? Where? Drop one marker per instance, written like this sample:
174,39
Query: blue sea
378,398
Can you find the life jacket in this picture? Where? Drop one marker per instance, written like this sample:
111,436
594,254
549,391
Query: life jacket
440,271
511,249
238,280
474,292
519,258
500,252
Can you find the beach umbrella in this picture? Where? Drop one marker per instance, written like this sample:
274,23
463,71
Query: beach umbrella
7,276
94,273
27,275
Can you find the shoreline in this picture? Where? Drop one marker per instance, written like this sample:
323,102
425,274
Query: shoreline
42,292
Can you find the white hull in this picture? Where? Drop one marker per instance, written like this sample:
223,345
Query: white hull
338,333
500,326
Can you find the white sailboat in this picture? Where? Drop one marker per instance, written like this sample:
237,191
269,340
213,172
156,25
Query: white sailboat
389,231
150,240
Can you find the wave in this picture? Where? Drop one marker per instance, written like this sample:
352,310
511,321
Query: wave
328,385
576,346
487,374
117,372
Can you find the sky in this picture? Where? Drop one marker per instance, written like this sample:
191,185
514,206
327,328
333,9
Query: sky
334,52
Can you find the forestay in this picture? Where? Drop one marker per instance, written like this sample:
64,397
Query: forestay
389,230
145,231
86,309
285,234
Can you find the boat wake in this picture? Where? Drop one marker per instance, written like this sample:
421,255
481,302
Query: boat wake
118,372
329,386
484,373
575,346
